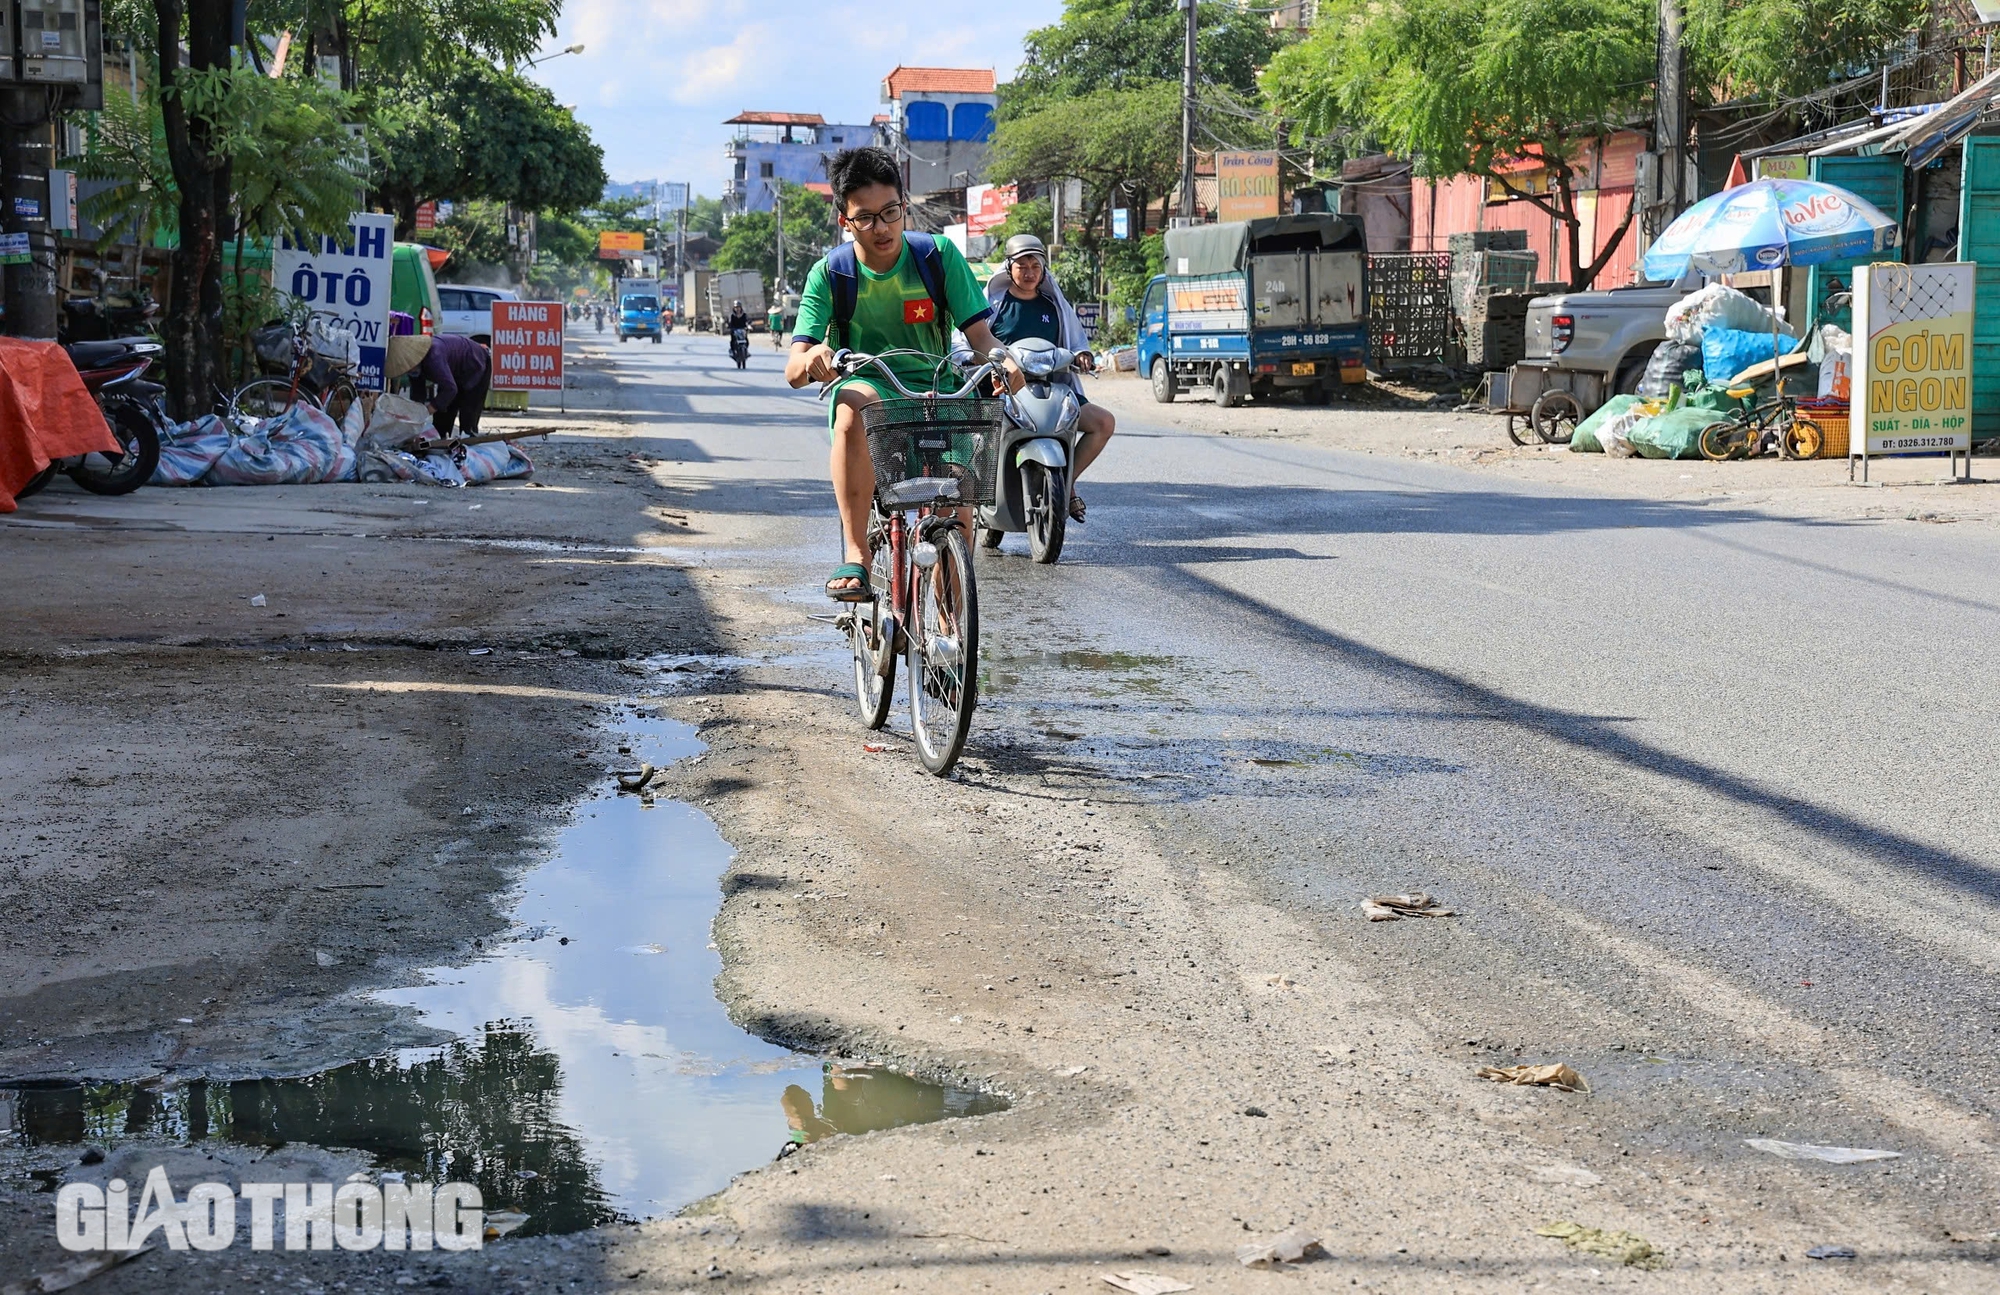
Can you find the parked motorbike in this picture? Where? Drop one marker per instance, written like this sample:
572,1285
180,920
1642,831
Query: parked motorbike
1038,444
739,347
88,319
134,408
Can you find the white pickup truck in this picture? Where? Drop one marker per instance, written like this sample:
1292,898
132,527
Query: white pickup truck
1610,334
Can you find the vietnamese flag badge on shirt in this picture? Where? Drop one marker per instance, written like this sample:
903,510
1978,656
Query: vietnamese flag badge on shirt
920,310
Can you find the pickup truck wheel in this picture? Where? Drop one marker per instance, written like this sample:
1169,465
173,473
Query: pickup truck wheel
1228,393
1165,387
1630,377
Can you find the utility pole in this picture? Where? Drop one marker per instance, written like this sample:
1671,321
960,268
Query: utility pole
1670,118
62,69
778,208
1187,115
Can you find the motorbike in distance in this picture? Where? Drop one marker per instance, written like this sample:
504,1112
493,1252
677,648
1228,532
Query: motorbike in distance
739,347
1038,445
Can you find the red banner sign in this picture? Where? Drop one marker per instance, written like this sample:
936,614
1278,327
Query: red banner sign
527,345
427,217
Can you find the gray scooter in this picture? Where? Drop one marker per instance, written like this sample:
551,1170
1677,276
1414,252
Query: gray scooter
1038,444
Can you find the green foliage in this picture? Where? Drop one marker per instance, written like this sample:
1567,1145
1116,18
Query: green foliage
751,242
705,214
1745,48
126,146
1462,85
293,163
475,234
391,39
1122,44
482,132
629,213
1031,216
1116,141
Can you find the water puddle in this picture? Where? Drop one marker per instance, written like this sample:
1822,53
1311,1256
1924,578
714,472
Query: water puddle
594,1077
1110,672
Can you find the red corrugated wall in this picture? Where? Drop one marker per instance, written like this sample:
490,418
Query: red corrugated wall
1441,208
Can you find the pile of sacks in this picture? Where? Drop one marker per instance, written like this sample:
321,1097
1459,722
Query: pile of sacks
303,446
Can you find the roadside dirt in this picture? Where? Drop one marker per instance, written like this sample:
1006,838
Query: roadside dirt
1193,1067
1904,489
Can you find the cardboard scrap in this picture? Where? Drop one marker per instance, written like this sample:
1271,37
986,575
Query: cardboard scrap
1628,1248
1291,1247
1389,908
1557,1076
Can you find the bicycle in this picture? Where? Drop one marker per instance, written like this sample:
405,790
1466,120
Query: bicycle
326,382
1751,431
934,455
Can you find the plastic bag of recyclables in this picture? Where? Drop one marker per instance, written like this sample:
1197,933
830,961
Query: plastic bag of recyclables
195,447
1718,306
301,446
493,461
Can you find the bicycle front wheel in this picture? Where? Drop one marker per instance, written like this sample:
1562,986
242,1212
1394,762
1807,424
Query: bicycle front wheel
944,651
871,636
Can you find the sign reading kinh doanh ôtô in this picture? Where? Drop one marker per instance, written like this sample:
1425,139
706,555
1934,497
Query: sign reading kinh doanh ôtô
347,281
1913,358
527,345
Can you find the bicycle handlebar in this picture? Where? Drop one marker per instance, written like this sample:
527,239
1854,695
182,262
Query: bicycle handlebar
848,363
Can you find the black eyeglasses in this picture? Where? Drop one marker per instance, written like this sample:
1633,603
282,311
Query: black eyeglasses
889,215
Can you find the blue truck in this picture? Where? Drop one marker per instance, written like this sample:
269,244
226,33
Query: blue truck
638,308
1250,308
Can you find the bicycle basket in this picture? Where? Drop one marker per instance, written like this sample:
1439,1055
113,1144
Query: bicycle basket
955,440
273,344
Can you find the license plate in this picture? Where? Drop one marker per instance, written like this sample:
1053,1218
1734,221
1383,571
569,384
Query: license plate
1302,370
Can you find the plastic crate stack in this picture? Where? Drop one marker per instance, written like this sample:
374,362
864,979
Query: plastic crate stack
1492,282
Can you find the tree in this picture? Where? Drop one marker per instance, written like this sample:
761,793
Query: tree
1478,87
1777,48
751,242
1124,44
382,41
484,132
193,323
1123,142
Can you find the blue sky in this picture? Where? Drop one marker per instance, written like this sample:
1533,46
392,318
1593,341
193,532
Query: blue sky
658,77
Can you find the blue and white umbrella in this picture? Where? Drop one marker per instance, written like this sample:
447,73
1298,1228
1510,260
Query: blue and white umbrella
1769,223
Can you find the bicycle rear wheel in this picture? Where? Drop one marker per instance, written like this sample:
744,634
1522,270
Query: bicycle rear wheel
944,652
264,398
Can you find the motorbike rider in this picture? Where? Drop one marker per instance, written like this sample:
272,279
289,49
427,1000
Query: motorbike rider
738,317
1027,303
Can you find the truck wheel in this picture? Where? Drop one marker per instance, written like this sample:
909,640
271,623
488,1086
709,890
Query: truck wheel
1165,388
1319,393
1228,392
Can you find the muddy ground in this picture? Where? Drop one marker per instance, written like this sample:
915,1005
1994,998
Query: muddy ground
223,821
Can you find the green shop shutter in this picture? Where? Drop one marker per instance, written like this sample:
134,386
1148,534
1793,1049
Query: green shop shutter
1979,240
1880,181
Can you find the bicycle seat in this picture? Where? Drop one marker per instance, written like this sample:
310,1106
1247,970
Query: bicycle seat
1738,393
918,491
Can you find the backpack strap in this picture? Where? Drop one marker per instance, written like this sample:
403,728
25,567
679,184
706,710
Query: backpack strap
844,277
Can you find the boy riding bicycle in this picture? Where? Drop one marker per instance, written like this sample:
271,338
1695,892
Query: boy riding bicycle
891,292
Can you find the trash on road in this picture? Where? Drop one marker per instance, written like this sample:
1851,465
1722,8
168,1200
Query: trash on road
78,1271
256,600
325,959
873,748
1140,1283
499,1224
1552,1076
1807,1151
480,651
1628,1248
1831,1252
1293,1246
1567,1175
1389,908
636,781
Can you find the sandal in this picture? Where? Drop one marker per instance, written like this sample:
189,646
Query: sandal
861,593
1076,507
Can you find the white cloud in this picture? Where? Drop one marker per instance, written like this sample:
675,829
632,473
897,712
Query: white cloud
657,77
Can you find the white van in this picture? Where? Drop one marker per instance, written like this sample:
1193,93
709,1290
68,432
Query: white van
468,310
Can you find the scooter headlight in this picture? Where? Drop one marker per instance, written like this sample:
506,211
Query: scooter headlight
1071,411
1036,364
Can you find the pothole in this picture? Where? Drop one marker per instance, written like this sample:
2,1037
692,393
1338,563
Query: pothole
594,1077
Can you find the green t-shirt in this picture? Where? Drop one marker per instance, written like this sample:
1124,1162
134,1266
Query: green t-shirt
892,312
